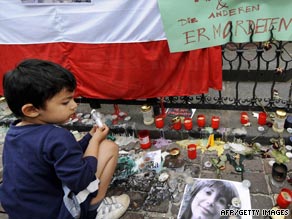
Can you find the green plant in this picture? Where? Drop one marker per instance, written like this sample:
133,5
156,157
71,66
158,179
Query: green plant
219,163
279,150
280,156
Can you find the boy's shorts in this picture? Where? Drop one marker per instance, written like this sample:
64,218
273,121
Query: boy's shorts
89,211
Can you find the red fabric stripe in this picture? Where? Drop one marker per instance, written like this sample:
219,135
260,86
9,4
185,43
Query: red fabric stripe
126,71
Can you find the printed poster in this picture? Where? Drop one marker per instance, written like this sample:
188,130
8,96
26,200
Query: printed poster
215,198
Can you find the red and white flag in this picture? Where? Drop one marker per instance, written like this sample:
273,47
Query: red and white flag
117,49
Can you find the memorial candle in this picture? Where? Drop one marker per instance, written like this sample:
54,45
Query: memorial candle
201,121
188,124
215,122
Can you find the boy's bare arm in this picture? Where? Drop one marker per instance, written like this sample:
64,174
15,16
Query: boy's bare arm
98,135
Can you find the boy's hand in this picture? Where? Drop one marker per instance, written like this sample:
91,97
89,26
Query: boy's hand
99,133
92,130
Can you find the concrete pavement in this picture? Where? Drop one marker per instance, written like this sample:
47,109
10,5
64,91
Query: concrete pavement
151,198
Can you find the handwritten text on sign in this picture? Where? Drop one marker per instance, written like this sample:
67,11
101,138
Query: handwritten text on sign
194,24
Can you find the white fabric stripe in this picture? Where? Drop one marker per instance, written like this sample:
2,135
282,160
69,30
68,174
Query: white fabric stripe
92,187
104,21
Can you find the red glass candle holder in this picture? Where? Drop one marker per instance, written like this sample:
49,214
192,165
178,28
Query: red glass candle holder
215,121
144,139
159,122
188,124
244,118
176,123
284,198
192,151
201,121
262,118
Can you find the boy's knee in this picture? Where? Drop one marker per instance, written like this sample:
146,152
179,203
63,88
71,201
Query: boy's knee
111,146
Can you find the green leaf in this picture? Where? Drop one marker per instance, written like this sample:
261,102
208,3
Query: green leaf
279,156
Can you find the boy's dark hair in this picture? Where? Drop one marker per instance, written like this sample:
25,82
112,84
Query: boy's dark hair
35,81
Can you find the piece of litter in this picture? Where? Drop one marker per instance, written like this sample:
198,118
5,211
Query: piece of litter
288,147
289,154
271,162
127,118
289,130
207,164
163,177
261,129
246,183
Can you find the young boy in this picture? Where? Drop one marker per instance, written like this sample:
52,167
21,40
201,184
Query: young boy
47,174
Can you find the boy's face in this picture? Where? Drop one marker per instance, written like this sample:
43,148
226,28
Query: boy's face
58,109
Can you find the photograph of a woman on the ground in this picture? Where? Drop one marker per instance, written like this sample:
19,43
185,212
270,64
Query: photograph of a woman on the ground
206,198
